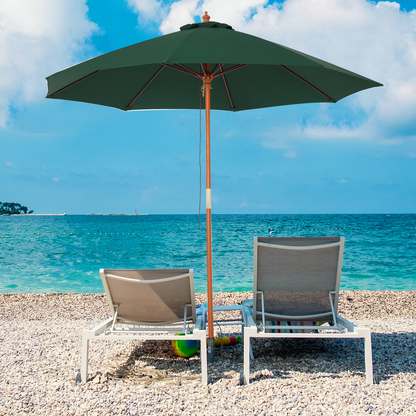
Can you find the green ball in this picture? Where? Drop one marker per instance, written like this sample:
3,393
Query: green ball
185,348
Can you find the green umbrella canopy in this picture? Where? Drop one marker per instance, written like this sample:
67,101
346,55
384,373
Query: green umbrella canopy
165,72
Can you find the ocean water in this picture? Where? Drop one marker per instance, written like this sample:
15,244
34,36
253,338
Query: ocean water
40,254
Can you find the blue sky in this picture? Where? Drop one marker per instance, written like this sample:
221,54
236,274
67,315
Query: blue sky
356,156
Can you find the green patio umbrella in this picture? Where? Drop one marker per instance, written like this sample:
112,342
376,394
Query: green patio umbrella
243,71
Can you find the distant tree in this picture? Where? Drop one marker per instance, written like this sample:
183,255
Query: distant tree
10,208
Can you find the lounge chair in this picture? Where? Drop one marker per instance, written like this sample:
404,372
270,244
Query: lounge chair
148,305
296,288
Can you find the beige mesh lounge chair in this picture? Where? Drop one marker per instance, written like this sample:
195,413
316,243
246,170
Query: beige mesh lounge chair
148,305
296,286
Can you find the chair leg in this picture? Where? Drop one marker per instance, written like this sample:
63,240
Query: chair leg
84,358
368,358
203,356
247,351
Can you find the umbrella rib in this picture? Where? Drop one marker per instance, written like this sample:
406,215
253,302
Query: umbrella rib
188,71
217,68
230,69
76,82
226,86
142,90
306,82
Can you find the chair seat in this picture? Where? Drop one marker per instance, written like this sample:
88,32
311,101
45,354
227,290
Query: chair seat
295,309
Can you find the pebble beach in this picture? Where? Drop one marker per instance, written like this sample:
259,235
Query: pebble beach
40,352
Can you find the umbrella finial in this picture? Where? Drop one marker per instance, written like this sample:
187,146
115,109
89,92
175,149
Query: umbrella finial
206,18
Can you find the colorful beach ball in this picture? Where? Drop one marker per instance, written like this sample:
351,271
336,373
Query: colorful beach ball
185,348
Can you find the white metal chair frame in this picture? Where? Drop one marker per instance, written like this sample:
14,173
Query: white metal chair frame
226,322
344,328
107,330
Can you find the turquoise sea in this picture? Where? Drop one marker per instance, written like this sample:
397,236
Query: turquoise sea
64,253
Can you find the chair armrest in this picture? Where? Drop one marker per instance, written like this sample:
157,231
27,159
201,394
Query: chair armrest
248,317
346,324
99,329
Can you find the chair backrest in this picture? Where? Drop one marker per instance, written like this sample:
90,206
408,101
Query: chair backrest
297,276
150,297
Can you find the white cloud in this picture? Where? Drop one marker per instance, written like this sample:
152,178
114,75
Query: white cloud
9,164
234,12
170,17
180,13
55,179
147,9
37,38
377,40
331,131
342,181
374,39
291,154
244,203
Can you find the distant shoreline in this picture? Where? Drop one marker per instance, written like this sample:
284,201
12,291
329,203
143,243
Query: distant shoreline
60,215
36,215
94,214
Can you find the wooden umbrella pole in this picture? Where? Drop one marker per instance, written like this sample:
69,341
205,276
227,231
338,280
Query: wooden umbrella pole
207,91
